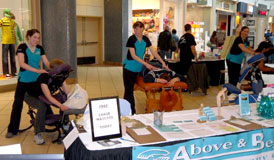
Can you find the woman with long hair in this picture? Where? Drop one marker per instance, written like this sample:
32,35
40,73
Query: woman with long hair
236,55
29,56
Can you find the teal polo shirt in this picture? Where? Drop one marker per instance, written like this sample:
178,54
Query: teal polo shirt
236,58
140,48
32,59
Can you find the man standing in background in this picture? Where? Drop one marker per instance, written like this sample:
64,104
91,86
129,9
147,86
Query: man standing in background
187,50
164,43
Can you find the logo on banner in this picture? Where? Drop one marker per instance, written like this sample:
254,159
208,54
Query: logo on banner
245,145
156,154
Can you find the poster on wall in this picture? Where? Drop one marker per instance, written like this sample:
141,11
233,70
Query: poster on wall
169,15
150,18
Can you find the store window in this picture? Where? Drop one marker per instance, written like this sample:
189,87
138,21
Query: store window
22,12
148,12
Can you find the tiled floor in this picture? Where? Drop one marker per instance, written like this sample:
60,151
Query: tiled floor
99,81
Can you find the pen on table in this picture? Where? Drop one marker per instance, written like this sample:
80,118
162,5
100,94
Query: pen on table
127,140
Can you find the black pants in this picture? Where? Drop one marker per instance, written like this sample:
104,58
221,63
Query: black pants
234,70
17,106
129,79
40,119
8,48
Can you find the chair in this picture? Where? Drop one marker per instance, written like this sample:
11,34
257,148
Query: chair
256,83
58,76
125,109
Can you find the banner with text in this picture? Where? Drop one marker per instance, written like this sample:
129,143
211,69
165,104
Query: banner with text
250,145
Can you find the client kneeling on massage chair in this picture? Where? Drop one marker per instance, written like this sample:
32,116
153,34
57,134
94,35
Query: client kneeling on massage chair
32,98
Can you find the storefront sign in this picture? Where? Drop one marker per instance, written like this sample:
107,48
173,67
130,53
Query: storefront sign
225,6
249,9
256,144
202,2
105,118
242,7
262,9
250,22
262,12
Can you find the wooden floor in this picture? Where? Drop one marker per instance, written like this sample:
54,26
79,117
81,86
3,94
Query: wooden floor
99,81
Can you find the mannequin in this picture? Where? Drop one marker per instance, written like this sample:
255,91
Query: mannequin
8,43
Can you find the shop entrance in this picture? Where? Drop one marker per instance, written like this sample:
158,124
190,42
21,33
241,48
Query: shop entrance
89,40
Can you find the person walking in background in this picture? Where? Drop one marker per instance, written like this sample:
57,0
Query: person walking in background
174,41
29,55
188,52
133,62
164,43
236,55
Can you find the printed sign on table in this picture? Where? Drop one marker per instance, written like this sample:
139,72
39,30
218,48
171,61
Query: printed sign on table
105,118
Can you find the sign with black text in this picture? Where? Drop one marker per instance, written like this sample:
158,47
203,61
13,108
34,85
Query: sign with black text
105,118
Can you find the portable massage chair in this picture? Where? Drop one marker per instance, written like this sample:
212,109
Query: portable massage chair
256,85
58,76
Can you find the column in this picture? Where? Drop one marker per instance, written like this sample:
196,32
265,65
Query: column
58,23
182,6
116,30
213,19
184,14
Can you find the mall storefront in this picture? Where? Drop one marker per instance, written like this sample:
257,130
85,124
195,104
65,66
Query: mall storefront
25,18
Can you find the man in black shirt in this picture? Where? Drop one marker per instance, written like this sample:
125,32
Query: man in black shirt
164,43
188,52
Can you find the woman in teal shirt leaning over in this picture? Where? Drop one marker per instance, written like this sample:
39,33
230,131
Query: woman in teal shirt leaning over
29,56
236,55
132,64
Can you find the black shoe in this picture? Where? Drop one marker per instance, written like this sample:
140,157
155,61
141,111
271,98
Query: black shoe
7,75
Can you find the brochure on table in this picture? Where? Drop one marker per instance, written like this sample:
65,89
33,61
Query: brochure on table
186,121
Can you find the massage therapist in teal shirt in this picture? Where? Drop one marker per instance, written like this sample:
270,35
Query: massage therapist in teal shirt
133,62
29,56
236,55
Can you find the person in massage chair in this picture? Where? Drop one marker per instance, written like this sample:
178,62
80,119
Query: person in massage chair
267,49
162,76
258,66
32,99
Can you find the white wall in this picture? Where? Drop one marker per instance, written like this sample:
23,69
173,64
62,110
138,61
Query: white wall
145,4
90,8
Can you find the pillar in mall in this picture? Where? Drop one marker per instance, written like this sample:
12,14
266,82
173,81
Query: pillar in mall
213,20
58,23
116,18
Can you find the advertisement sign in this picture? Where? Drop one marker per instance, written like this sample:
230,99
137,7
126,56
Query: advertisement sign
256,144
105,118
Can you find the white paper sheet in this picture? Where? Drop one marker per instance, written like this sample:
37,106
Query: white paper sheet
11,149
141,131
70,138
